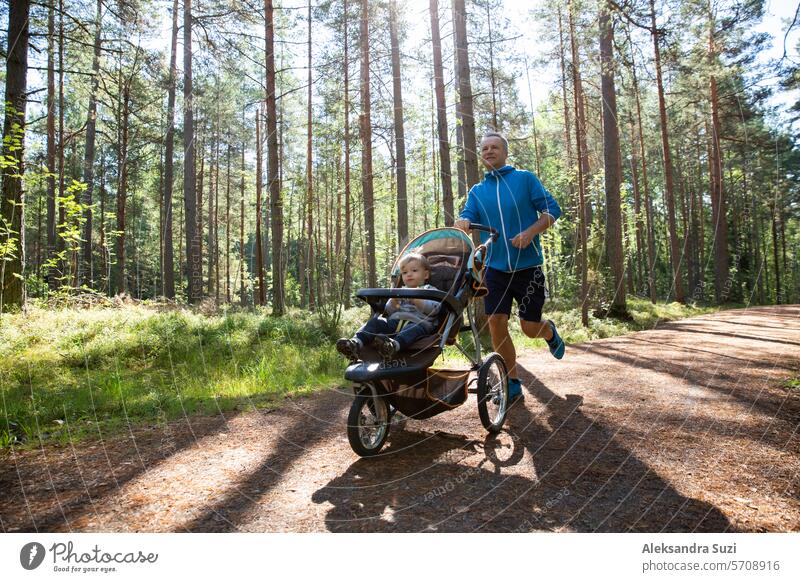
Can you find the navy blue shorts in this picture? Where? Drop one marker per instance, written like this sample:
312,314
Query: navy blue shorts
525,286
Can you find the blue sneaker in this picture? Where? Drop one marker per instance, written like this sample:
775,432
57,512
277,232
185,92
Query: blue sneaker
556,344
514,389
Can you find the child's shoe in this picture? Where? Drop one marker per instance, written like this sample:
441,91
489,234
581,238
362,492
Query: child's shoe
386,346
349,348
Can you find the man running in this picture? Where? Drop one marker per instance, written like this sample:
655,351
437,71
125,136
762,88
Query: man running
516,204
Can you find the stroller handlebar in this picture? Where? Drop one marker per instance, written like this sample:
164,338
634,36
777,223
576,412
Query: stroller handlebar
492,231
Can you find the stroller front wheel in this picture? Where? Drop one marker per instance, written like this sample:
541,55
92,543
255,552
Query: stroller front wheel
493,392
368,423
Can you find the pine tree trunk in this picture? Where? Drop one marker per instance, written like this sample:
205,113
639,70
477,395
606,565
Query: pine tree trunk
213,171
537,160
567,124
169,162
216,219
61,265
465,105
262,291
201,151
39,231
709,162
461,175
562,52
159,279
684,208
441,117
103,250
774,221
580,141
399,131
194,263
465,95
228,223
365,131
85,271
637,207
434,167
348,220
697,239
51,144
648,207
310,259
492,78
719,215
782,223
121,281
612,164
669,189
276,202
12,200
337,225
242,257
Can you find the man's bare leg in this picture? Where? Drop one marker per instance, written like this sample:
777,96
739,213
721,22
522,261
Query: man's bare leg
536,329
502,343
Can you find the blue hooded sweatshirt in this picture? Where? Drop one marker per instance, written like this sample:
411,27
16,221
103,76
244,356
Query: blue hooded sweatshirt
510,200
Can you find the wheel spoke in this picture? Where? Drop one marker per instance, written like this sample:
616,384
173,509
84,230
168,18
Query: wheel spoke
493,396
372,422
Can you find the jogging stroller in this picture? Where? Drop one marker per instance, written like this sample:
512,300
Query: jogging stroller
409,383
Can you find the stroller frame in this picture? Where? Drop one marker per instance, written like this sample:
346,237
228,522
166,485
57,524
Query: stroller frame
407,383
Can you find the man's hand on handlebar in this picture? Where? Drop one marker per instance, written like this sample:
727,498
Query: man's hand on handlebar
462,224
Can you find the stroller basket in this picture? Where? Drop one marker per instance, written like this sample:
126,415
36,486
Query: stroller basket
433,392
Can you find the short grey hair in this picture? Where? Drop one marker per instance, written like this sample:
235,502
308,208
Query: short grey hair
496,134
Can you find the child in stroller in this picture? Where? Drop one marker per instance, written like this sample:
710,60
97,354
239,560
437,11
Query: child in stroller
406,319
411,382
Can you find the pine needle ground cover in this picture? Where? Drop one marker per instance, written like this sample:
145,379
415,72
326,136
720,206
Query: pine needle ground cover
72,373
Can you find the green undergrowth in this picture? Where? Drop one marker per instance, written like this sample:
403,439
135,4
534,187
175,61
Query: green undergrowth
643,315
71,373
65,373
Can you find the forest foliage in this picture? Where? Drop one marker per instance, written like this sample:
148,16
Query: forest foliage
288,120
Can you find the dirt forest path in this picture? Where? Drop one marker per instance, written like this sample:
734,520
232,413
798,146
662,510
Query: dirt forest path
686,427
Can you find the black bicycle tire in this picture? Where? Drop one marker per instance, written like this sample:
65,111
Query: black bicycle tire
362,399
483,411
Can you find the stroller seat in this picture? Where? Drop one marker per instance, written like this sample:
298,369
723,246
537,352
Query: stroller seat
447,272
448,252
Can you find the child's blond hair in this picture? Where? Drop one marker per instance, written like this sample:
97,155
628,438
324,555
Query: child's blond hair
421,259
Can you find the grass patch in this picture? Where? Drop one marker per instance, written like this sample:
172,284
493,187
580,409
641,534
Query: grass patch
66,373
792,384
644,315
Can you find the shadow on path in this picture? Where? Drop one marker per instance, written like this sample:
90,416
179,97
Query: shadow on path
308,428
610,489
733,382
687,327
45,489
553,471
427,482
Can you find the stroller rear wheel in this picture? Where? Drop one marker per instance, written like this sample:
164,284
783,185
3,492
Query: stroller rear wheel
368,423
493,392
